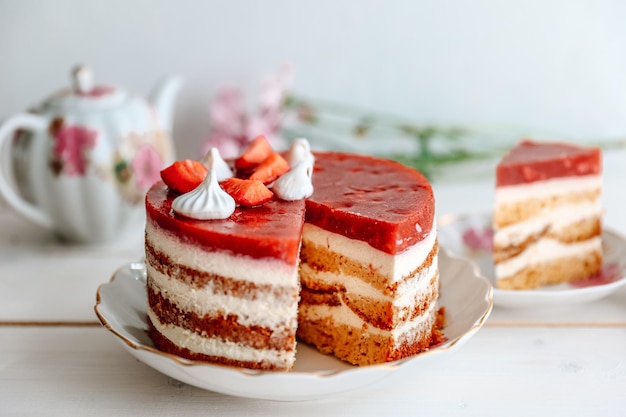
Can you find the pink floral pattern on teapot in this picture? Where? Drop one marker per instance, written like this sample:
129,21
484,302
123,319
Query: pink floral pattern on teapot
132,174
137,164
70,150
87,155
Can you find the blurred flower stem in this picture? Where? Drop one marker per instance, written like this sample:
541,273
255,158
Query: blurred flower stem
432,147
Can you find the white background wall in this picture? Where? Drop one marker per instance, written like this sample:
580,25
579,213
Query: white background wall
550,65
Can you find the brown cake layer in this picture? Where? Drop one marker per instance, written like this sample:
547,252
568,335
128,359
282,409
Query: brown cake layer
357,345
576,232
378,313
219,326
555,272
197,279
164,344
510,213
321,259
370,342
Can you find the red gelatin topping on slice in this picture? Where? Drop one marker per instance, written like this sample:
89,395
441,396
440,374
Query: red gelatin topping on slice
539,161
381,202
269,231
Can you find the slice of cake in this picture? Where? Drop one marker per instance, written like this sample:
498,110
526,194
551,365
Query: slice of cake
369,268
548,215
222,282
224,291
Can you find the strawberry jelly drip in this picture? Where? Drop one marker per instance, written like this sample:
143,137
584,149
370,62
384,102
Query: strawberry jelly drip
608,274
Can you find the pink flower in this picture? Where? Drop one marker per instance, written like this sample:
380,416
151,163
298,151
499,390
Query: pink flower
225,144
232,127
267,125
226,113
70,148
147,165
274,89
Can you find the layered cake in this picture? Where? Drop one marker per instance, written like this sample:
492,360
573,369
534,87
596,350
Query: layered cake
343,252
548,215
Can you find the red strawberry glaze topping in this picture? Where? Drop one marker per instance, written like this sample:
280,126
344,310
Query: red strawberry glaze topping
381,202
271,230
538,161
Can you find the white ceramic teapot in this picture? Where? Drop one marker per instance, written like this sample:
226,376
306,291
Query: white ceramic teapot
81,162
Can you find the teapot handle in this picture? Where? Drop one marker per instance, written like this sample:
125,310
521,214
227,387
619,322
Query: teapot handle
8,128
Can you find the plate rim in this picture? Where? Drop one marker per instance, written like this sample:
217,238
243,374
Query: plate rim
388,366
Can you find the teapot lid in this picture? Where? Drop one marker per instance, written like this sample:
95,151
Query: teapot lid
85,94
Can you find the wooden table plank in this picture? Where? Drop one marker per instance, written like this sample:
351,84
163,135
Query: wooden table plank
42,279
514,372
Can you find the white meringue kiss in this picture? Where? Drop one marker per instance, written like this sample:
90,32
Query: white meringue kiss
296,183
213,159
299,151
205,202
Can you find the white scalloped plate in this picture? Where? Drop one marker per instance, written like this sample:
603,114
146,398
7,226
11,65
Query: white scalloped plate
451,231
121,308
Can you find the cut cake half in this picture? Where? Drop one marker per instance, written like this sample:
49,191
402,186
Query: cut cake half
369,272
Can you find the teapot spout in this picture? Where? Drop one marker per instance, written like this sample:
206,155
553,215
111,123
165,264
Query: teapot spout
163,97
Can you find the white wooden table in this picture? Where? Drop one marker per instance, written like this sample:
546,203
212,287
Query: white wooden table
56,360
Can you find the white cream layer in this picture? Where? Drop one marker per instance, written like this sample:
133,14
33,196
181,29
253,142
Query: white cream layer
218,347
545,250
409,291
542,189
396,267
557,219
344,315
267,312
226,264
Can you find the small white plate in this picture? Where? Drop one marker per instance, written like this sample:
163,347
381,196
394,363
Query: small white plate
121,308
468,236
